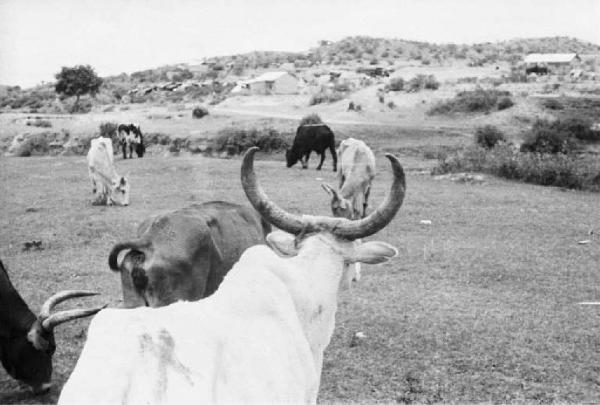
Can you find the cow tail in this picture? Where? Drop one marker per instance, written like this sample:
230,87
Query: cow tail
114,253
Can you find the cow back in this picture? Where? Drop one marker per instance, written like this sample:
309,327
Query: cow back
317,137
100,157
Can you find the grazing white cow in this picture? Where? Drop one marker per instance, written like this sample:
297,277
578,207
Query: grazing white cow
357,170
259,338
109,187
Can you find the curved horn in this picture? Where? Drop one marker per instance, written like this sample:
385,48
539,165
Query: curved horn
50,321
64,316
272,213
114,253
341,227
60,297
382,216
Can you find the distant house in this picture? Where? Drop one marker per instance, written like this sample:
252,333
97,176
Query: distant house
269,83
555,63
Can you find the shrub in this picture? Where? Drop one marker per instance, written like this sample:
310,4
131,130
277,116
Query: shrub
469,101
543,138
234,141
504,103
578,128
396,84
488,136
504,160
552,104
31,145
313,118
40,123
558,136
108,129
420,82
199,112
326,96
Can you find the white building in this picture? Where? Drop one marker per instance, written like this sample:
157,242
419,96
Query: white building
269,83
557,63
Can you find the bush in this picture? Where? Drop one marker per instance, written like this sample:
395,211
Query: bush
420,82
108,129
543,138
504,103
396,84
313,118
578,128
234,141
552,104
30,145
326,96
40,123
504,160
488,136
478,100
199,112
558,136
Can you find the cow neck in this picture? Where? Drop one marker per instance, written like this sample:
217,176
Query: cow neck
108,179
14,312
318,272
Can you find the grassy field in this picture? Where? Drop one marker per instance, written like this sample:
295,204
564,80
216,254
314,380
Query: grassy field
480,306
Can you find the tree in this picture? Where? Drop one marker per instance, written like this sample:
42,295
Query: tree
77,81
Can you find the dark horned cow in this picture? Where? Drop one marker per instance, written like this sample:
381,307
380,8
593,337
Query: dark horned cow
311,137
26,340
130,135
184,254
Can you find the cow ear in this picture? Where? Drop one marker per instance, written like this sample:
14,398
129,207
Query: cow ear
371,253
34,336
283,243
331,191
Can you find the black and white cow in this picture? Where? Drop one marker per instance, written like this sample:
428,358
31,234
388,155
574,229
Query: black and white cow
130,135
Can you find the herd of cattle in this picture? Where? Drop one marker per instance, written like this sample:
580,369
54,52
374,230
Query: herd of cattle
211,313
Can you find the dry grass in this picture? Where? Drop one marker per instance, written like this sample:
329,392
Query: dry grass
479,306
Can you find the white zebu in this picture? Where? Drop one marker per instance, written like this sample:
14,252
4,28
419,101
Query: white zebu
109,187
258,339
356,173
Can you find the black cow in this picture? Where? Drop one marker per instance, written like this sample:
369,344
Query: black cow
311,137
26,340
130,135
184,254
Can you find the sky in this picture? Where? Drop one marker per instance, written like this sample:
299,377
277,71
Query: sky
38,37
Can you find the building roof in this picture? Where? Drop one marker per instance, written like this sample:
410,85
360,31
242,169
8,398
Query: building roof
268,77
550,57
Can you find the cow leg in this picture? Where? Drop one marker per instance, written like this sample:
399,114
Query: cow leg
124,149
322,160
130,150
305,161
333,155
92,180
366,203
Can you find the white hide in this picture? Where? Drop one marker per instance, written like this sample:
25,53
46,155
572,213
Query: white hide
258,339
109,186
356,173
